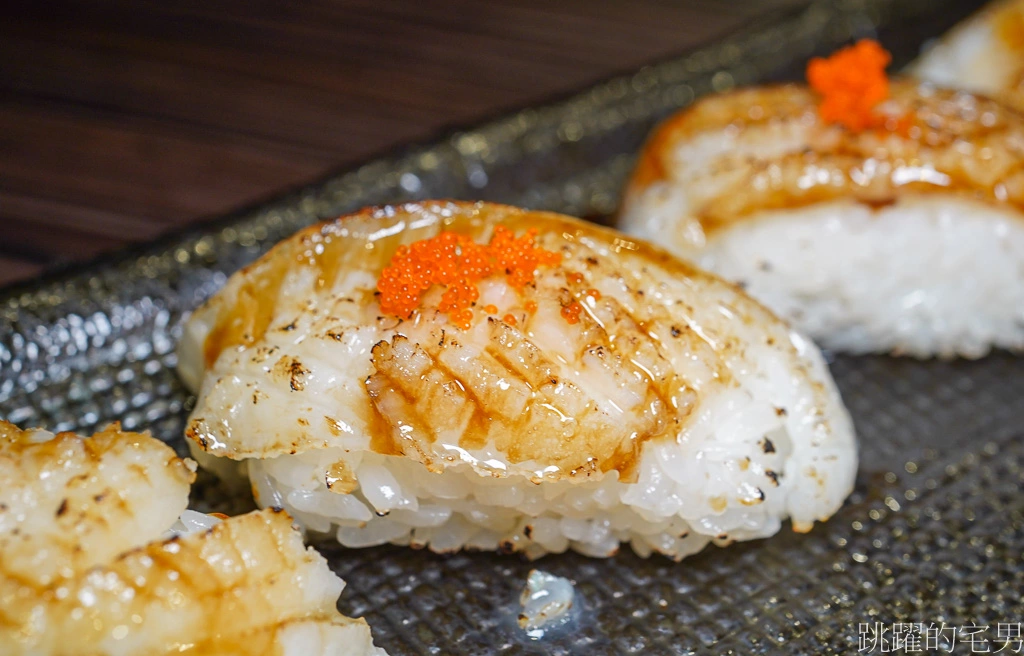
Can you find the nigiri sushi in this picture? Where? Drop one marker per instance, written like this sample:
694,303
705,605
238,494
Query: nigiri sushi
467,375
983,54
68,502
883,218
86,566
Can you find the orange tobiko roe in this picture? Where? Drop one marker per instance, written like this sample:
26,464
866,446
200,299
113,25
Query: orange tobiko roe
571,312
851,82
458,263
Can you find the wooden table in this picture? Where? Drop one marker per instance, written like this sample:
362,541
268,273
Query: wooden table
122,119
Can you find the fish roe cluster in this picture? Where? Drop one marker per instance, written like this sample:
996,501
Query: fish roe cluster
851,82
458,263
571,312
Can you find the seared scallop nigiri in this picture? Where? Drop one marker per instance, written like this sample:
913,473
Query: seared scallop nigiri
86,567
69,502
900,229
458,375
245,586
984,54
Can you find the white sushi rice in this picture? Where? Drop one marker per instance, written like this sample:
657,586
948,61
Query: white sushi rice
928,275
753,456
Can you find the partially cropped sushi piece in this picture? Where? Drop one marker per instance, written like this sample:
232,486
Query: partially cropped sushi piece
454,375
86,566
245,586
875,217
69,502
984,54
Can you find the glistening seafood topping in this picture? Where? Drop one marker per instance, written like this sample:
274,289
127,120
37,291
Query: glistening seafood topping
458,263
852,82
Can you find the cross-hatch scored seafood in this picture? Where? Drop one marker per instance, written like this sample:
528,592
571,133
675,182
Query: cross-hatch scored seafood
605,393
85,567
71,502
868,239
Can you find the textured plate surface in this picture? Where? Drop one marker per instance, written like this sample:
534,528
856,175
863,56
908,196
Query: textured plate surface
933,535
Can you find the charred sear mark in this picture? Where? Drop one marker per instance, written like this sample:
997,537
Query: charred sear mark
193,432
258,395
335,426
62,508
296,374
292,370
773,476
781,412
767,445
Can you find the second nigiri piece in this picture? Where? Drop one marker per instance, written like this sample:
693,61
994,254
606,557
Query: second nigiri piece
876,217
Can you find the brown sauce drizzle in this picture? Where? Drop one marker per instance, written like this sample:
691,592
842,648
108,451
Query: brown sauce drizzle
409,426
928,138
246,321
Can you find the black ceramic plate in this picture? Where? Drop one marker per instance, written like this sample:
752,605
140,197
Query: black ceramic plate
931,539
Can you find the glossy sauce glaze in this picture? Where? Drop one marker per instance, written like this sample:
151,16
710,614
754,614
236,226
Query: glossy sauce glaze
238,588
568,376
766,148
69,502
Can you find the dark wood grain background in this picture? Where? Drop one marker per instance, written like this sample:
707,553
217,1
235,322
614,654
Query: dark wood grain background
122,119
